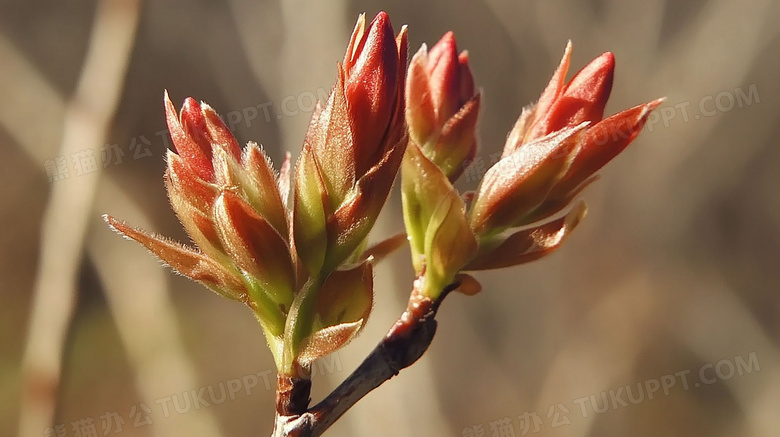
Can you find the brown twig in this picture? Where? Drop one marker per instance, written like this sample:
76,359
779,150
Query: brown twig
405,342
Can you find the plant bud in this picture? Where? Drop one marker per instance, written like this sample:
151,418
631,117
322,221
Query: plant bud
441,107
353,149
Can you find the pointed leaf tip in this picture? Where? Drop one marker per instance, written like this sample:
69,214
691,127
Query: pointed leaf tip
185,260
196,157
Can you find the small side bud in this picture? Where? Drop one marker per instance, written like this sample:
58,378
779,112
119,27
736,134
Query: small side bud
343,305
442,109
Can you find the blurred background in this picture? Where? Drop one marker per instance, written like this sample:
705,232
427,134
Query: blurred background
660,316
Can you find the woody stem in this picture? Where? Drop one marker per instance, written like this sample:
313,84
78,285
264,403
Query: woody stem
402,346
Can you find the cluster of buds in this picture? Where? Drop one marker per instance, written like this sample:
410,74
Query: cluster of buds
300,265
551,155
297,256
232,206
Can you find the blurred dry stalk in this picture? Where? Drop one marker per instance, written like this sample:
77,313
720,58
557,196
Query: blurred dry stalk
688,226
69,214
86,121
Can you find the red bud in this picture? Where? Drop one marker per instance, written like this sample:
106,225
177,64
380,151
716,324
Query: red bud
442,110
444,70
353,147
195,155
582,99
561,106
255,246
371,90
